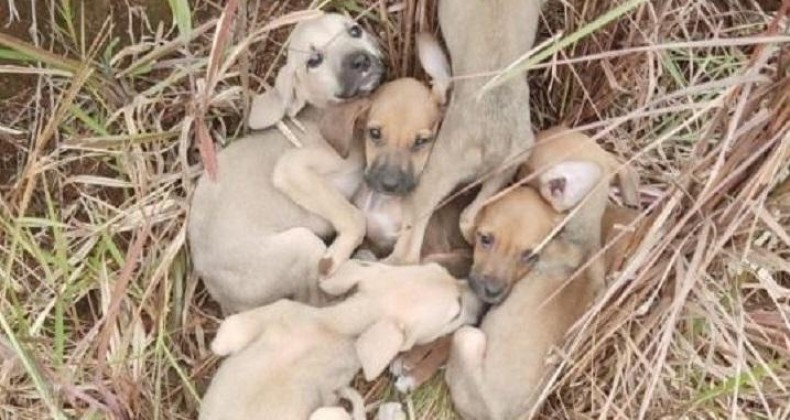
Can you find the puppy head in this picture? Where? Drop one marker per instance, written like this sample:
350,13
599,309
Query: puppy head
399,134
508,233
330,59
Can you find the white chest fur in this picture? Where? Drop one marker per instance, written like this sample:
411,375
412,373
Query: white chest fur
383,214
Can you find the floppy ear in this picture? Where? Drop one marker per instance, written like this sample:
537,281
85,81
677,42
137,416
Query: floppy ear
434,62
564,185
339,123
377,346
270,107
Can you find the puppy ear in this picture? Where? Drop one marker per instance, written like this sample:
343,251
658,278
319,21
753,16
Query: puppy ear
377,346
564,185
270,107
339,123
434,62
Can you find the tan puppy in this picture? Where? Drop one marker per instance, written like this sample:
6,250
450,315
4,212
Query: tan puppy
288,367
495,372
570,170
419,365
289,359
478,134
257,234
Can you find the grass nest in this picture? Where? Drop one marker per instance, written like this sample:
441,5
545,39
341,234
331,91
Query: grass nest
110,109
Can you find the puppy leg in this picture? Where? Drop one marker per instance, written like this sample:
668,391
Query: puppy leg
330,413
464,374
417,371
391,411
490,187
302,174
237,331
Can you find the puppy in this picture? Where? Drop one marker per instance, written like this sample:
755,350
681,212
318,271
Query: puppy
259,227
398,133
257,234
496,372
395,308
562,153
478,135
289,360
291,365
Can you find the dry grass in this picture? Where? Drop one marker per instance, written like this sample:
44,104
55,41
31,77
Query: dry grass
101,317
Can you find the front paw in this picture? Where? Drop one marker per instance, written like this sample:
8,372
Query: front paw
391,411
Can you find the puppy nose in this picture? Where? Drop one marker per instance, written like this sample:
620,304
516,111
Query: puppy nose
361,62
492,291
390,181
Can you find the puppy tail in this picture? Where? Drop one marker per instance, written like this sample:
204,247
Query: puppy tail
357,402
435,63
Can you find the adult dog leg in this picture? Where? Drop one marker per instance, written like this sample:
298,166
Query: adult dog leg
301,175
490,186
437,182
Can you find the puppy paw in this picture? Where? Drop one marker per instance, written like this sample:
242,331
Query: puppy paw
391,411
232,336
398,367
405,384
330,413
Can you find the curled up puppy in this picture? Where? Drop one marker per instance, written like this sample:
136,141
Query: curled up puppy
256,234
288,360
531,269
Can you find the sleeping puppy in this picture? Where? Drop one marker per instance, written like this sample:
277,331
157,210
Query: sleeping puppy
291,366
478,135
288,360
495,372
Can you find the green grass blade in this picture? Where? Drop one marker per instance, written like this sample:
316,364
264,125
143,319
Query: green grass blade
182,15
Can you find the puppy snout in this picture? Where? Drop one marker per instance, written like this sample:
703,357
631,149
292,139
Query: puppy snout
360,62
362,72
388,180
488,288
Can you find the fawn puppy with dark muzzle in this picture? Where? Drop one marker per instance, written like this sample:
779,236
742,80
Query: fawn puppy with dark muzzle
537,261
